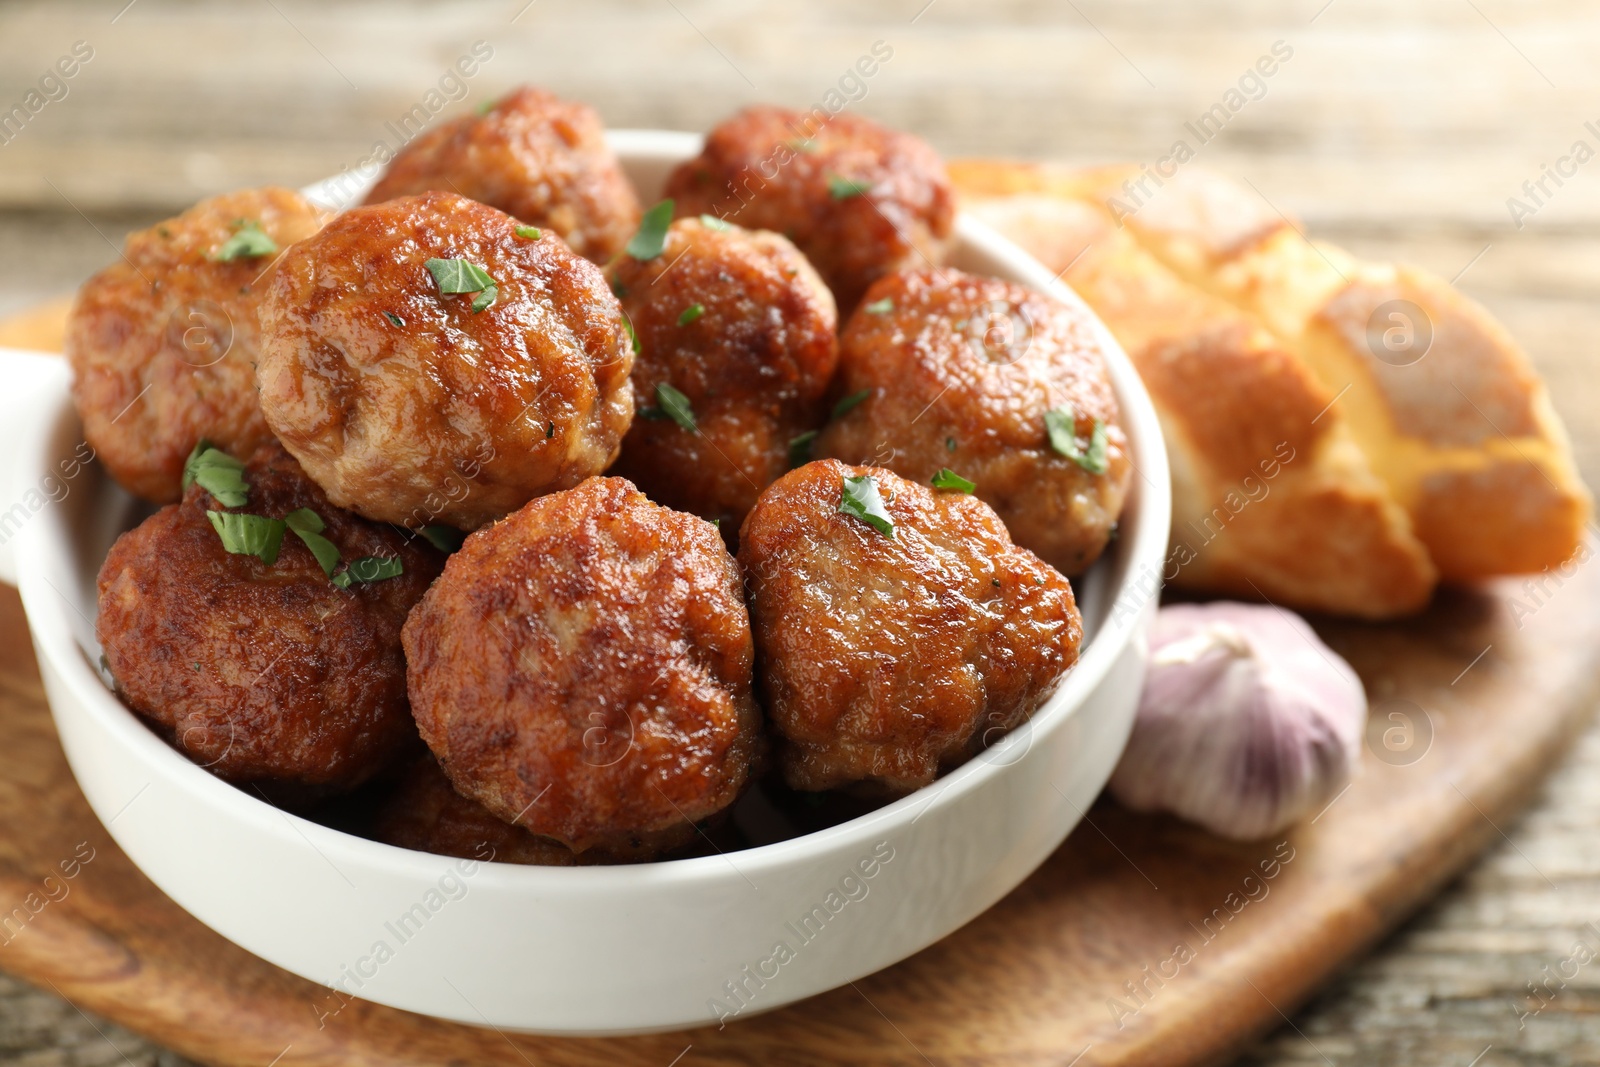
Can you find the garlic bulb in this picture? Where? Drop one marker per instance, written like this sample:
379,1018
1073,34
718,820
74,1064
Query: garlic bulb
1247,721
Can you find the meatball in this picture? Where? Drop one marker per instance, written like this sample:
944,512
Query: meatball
426,814
269,674
894,649
859,200
999,383
163,344
741,326
583,669
412,403
532,155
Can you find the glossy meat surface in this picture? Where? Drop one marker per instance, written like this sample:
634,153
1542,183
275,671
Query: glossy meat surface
409,407
262,674
888,660
859,200
583,668
960,372
163,343
754,360
533,155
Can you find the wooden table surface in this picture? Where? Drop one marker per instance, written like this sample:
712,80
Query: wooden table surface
1397,129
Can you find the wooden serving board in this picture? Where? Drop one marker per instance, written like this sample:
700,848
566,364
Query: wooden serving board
1141,941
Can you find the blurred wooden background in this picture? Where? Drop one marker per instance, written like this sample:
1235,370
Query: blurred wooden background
1399,129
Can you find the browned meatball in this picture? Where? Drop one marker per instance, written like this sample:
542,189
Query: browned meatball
890,657
409,406
426,814
532,155
263,673
163,343
583,669
859,200
740,324
970,373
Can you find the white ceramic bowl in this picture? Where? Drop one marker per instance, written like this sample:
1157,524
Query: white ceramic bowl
596,950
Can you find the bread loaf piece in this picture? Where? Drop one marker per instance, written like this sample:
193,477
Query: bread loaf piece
1423,441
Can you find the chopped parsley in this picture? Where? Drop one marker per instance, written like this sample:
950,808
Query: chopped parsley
308,526
652,236
248,535
803,144
217,473
850,403
369,569
950,444
675,406
394,320
249,241
800,449
842,188
949,479
690,313
633,337
879,307
444,538
463,276
860,500
487,106
529,233
711,222
1062,427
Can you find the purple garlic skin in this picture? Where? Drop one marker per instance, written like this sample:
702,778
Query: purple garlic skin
1247,722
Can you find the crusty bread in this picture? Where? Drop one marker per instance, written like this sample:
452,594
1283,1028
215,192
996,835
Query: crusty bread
1306,470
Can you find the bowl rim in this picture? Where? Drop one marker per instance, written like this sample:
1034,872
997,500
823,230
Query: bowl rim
53,635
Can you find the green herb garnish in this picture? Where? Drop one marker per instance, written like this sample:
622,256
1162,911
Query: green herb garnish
394,320
444,538
248,535
850,403
949,479
459,276
711,222
879,307
308,526
950,444
800,449
690,313
249,241
652,236
1062,427
217,473
369,569
633,336
529,233
860,500
487,106
676,406
485,298
803,144
842,188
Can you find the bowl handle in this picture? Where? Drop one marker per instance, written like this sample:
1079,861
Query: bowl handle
35,387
